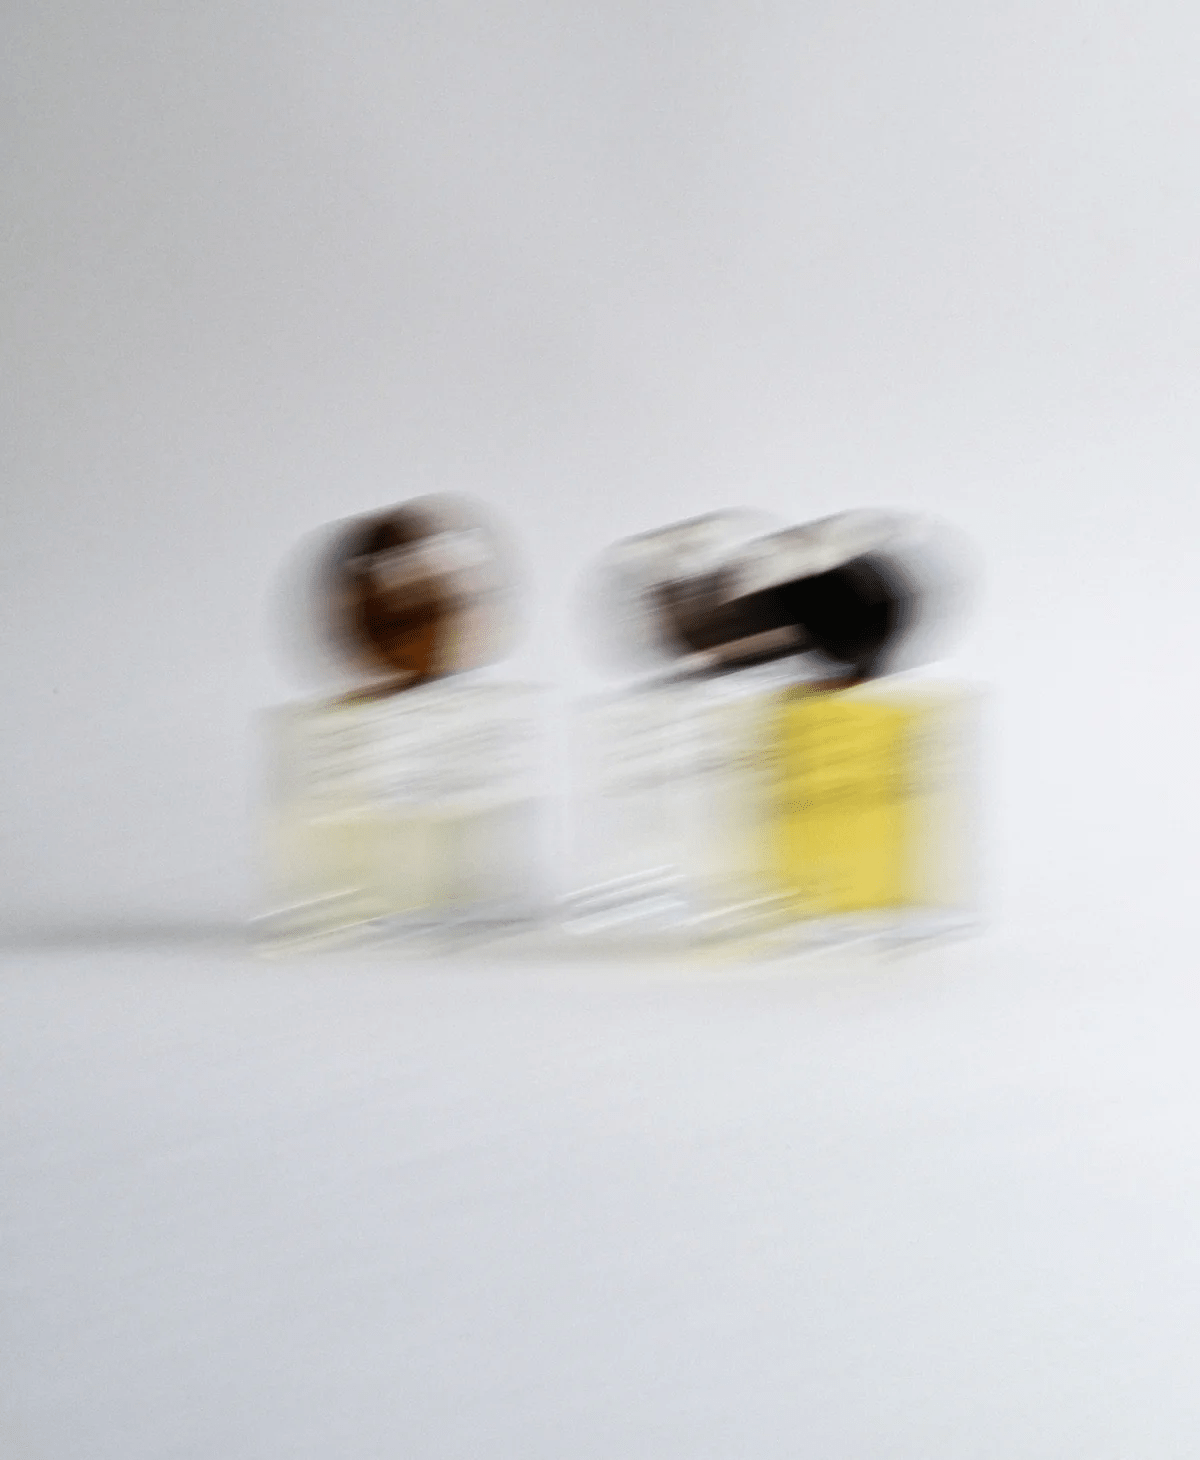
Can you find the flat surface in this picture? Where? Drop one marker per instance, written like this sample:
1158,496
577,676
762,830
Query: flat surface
605,267
920,1208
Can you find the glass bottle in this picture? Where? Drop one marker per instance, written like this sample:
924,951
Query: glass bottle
409,803
791,775
665,791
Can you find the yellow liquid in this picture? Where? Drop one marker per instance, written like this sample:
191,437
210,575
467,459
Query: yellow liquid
865,804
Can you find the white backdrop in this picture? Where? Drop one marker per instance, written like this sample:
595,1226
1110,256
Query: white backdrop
603,266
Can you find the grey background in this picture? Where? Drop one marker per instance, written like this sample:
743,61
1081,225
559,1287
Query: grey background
603,266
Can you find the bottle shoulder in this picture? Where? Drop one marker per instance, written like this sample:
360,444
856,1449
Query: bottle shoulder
919,686
457,694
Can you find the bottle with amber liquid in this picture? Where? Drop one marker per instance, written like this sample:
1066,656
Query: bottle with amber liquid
406,804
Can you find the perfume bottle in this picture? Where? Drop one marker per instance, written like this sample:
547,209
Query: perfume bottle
666,786
787,774
869,821
407,801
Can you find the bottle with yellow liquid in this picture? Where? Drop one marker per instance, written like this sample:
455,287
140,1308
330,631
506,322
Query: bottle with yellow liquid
408,804
870,816
792,777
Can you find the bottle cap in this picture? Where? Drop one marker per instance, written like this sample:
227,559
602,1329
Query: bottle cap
653,598
852,589
402,596
871,591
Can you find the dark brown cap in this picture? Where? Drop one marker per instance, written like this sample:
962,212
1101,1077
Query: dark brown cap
661,595
418,591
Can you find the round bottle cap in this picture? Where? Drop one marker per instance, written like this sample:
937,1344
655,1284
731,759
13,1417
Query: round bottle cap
652,598
423,590
872,591
413,593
